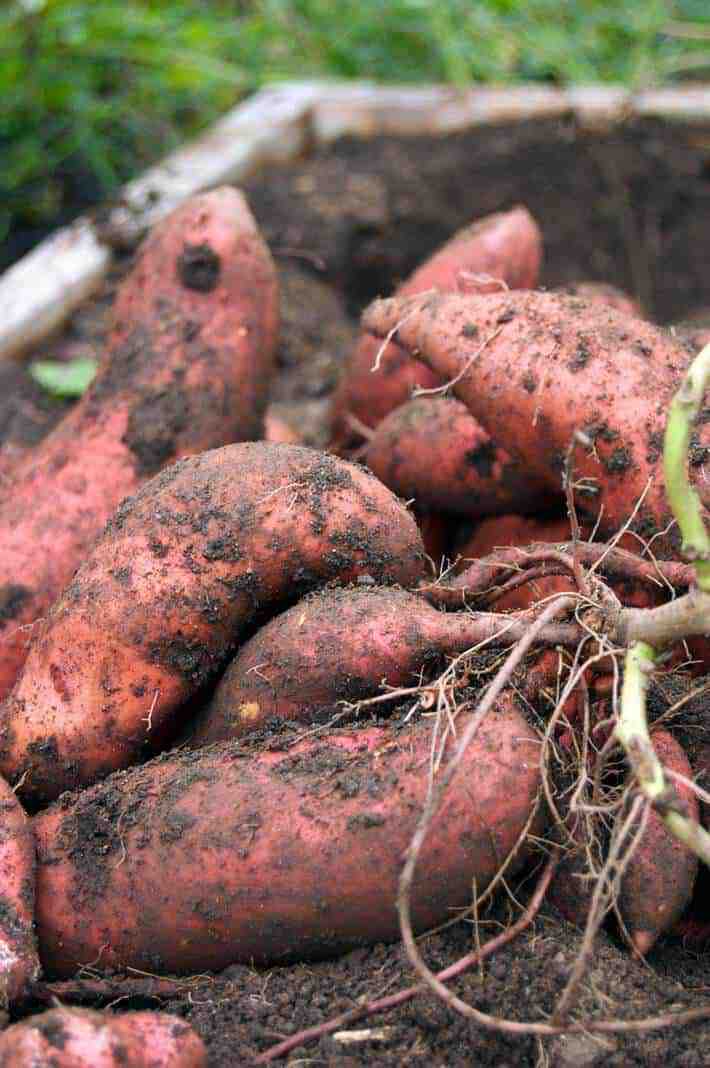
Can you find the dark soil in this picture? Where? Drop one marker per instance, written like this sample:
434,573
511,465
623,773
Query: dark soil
631,208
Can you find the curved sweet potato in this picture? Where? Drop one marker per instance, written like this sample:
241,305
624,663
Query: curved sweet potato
19,963
189,369
80,1038
553,365
658,882
209,547
505,246
336,645
199,859
431,450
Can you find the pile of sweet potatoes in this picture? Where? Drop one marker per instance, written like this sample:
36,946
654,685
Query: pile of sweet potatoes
221,658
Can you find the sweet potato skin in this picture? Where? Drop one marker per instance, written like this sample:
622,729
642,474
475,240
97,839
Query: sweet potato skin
554,365
281,855
80,1038
337,645
658,882
19,963
432,451
505,246
199,555
605,296
189,368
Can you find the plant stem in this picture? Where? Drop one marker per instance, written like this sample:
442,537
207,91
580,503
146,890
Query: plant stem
682,498
632,733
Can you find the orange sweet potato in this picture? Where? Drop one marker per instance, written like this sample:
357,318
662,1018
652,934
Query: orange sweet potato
189,368
658,882
432,451
554,365
335,645
202,858
505,246
19,963
80,1038
184,569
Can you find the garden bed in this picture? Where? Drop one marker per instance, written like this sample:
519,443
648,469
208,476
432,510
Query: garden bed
624,202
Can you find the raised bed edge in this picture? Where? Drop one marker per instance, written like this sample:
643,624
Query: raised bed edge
38,293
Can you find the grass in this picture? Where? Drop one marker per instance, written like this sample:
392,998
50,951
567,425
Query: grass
94,90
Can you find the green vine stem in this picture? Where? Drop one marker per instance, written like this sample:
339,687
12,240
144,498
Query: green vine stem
632,733
632,727
682,498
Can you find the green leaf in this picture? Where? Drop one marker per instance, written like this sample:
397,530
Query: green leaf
70,379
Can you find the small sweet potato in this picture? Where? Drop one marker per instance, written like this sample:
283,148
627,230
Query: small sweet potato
184,569
203,858
335,645
506,246
553,365
658,882
19,963
432,451
189,368
80,1038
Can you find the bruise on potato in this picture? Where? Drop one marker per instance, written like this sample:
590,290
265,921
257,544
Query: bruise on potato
217,855
336,645
80,1038
528,386
432,451
658,881
186,567
19,963
186,369
506,246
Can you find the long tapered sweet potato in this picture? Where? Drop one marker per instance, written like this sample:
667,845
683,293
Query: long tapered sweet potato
19,963
81,1038
432,451
189,368
202,858
333,646
209,547
658,882
505,246
554,365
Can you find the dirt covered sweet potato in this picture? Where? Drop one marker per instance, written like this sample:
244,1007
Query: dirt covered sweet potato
657,884
217,855
19,963
184,569
554,365
188,369
432,451
506,246
79,1038
336,645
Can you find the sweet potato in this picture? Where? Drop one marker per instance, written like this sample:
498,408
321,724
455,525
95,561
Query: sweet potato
432,451
505,246
19,962
605,295
206,549
199,859
189,369
554,365
27,414
335,645
80,1038
658,882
